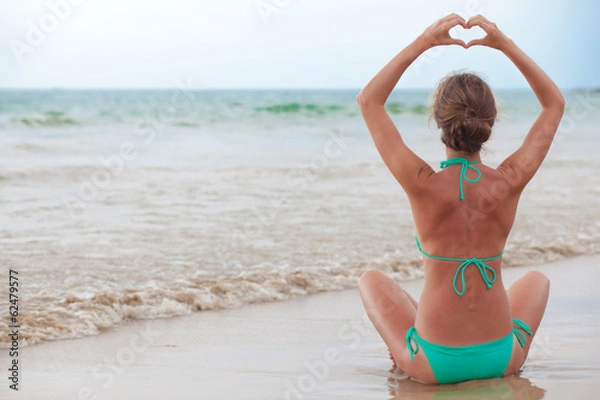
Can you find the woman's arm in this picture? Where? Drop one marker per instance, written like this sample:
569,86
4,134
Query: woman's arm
520,167
405,165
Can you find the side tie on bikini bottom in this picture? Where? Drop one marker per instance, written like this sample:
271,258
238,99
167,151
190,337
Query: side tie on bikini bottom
412,338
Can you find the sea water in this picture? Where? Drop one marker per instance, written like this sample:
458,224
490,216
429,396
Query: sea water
119,204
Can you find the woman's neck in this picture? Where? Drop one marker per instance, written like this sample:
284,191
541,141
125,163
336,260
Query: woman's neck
461,154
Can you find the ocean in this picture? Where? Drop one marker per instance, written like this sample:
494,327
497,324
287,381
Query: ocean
120,205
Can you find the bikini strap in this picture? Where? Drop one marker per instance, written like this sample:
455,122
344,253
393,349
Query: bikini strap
487,273
411,342
483,268
466,164
521,338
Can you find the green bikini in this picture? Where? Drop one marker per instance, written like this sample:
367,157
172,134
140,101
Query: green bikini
487,273
452,364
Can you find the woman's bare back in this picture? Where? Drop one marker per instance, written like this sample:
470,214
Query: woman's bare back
476,227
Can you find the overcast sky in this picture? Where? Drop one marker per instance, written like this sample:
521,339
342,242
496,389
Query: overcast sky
278,43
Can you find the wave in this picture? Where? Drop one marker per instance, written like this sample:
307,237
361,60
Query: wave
46,119
314,109
80,108
186,124
235,112
51,318
400,108
294,108
71,316
57,119
194,118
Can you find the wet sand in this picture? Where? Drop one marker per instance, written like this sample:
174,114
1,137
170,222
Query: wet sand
319,347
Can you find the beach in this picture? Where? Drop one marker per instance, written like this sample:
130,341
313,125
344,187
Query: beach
124,205
189,193
208,243
318,347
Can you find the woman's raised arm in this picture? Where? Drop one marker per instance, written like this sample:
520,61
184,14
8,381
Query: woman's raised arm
520,166
405,165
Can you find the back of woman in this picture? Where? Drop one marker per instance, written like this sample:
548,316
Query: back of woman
465,324
452,311
464,214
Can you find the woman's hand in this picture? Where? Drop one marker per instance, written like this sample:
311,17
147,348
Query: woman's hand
494,38
438,34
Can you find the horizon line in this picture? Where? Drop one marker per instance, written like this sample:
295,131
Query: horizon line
592,88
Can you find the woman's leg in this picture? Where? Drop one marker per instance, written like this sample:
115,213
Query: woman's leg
412,300
393,312
528,297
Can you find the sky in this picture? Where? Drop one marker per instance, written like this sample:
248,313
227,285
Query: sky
283,44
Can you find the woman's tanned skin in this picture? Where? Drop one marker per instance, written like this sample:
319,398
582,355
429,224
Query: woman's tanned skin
476,227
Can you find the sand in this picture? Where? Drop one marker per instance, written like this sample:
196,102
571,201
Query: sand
320,347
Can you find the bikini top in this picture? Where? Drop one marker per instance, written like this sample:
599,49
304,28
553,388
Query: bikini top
487,273
466,164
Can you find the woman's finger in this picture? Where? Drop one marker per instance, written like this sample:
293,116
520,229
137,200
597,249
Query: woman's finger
457,20
451,16
459,42
451,19
476,42
477,20
481,21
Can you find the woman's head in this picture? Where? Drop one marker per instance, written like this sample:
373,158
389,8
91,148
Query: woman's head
465,110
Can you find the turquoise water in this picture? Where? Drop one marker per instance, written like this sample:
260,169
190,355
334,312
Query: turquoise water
55,108
149,204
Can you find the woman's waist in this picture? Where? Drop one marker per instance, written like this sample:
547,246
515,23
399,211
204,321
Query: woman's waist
443,245
475,318
466,277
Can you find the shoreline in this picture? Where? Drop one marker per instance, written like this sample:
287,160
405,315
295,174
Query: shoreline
320,346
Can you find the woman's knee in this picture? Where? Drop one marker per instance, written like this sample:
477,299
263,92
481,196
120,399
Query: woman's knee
531,280
370,277
371,274
539,279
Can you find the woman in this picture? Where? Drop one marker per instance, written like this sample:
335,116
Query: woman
465,326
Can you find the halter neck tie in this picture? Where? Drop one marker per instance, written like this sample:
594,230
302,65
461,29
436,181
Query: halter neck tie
465,165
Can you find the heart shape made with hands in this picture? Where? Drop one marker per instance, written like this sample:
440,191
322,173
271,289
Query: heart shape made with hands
466,35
